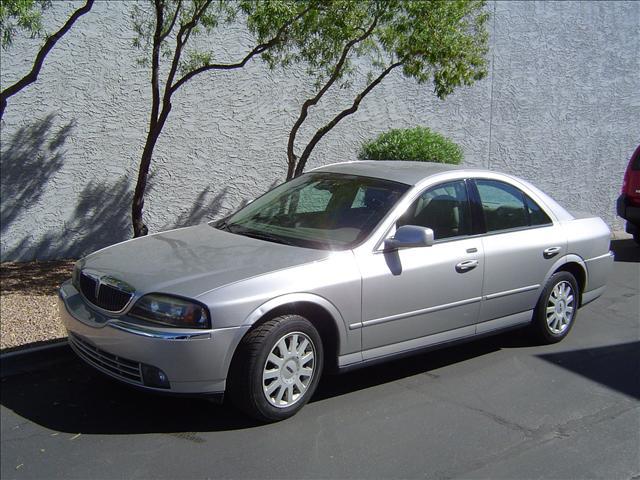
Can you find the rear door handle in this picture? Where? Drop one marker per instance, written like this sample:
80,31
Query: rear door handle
466,266
551,252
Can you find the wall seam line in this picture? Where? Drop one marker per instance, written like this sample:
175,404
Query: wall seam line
493,59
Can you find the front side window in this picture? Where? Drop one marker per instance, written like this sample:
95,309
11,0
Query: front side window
318,210
506,207
443,208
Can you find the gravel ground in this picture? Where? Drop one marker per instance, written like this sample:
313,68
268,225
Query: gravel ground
28,303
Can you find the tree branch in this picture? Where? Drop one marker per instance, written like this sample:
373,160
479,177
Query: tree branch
155,65
257,50
173,21
51,41
335,73
181,39
340,116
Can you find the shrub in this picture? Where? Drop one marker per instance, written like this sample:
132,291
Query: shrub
418,144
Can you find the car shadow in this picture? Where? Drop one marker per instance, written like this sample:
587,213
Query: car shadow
625,250
617,367
72,397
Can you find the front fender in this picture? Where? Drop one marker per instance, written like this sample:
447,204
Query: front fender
290,298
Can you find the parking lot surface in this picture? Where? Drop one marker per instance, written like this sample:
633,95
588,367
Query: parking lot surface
499,407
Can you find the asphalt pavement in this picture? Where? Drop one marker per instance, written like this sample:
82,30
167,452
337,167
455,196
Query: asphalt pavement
500,407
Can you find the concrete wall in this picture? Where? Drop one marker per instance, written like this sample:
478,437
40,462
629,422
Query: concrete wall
559,107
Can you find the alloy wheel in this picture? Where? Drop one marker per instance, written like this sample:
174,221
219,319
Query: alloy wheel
560,307
288,370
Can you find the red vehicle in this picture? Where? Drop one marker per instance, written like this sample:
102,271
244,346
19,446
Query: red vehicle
628,205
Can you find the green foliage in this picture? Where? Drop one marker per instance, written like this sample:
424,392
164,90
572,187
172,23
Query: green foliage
23,15
418,144
444,42
360,42
192,16
196,17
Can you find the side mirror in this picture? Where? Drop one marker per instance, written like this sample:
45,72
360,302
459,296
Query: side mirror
410,236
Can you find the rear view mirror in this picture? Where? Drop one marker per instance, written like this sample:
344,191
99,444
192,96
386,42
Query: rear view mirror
410,236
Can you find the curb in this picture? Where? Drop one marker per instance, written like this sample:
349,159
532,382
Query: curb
620,235
34,358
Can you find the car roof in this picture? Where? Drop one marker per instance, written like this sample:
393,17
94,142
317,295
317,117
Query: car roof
406,172
412,173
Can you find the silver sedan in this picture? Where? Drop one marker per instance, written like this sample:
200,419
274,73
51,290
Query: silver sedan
344,266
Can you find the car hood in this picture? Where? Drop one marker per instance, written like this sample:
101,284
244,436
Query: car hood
194,260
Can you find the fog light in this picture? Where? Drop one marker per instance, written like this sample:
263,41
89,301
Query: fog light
154,377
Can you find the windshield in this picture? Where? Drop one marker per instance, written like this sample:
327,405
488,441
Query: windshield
318,210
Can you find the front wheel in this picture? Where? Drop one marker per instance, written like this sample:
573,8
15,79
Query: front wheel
556,310
276,368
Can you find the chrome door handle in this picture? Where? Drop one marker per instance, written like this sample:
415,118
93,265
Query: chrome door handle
466,266
551,252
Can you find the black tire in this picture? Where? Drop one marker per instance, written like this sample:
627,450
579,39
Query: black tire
543,322
245,384
636,238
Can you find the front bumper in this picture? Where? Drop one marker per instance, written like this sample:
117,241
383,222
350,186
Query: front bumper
194,361
630,213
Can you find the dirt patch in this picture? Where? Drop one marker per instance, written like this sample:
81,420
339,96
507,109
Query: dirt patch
28,301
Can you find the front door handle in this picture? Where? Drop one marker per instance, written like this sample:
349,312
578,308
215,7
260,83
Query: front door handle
466,266
551,252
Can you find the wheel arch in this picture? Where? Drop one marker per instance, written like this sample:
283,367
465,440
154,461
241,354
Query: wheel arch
322,314
576,267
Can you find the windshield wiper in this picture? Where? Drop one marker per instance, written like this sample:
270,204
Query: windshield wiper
222,225
240,230
263,236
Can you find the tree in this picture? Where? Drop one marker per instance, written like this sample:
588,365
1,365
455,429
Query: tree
26,15
444,42
164,29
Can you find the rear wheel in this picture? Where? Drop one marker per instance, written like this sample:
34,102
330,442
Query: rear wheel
556,310
276,368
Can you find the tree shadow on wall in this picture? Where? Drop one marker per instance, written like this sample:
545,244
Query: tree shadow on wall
29,159
204,209
101,218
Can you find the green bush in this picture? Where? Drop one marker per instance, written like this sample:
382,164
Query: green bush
418,144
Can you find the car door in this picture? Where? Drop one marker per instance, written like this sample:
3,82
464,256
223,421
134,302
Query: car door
411,294
520,246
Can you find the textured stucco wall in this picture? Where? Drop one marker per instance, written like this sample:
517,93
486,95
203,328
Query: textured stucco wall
559,107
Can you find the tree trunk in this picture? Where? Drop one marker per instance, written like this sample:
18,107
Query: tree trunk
292,165
137,206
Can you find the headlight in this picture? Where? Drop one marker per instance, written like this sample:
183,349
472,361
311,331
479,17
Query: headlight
171,311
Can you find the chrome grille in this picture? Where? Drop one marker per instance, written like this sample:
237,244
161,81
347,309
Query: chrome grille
106,296
122,368
88,287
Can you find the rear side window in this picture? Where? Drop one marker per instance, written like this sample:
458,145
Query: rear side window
536,214
506,207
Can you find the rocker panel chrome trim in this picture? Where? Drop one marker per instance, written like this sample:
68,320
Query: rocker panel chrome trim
505,293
